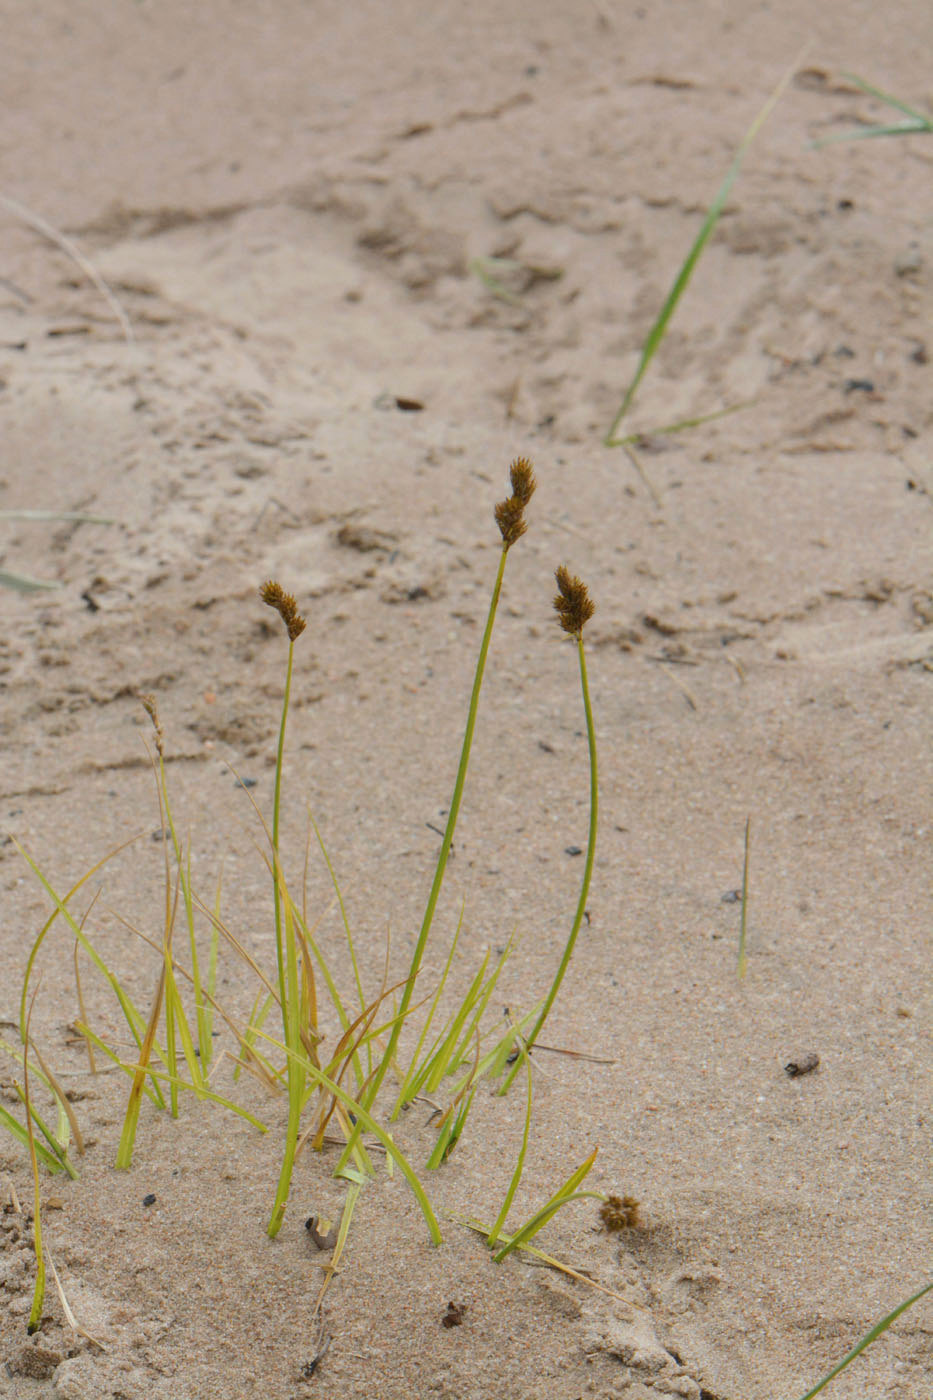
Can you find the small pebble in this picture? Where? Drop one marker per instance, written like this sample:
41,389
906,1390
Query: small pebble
149,1200
804,1064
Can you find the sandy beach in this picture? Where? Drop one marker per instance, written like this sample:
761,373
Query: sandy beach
284,290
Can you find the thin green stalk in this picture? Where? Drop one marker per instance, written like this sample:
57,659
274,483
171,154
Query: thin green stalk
659,329
276,804
286,949
35,1315
587,870
454,811
510,518
743,930
298,1063
867,1340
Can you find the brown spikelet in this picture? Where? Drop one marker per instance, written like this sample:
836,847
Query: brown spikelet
573,604
510,514
274,594
522,478
620,1213
152,710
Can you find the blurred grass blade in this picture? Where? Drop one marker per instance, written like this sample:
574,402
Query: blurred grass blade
24,583
867,1340
77,516
659,329
744,928
915,121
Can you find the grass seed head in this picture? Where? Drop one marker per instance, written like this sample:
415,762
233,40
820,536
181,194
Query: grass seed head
510,514
275,596
152,710
573,604
620,1213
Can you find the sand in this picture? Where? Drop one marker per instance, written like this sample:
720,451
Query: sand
296,207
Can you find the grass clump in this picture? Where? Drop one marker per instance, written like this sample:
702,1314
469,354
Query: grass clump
349,1096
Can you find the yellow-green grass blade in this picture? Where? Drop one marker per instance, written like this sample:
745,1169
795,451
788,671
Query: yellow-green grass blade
131,1118
479,1228
495,1060
443,1057
868,1338
567,1193
35,1315
366,1121
203,1092
416,1075
473,1029
450,1133
133,1017
25,583
60,908
67,1122
659,329
348,931
56,1146
17,1130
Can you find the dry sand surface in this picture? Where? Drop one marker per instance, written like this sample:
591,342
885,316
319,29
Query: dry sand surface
295,205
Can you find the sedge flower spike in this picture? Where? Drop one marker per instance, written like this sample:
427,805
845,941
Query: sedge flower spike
510,514
573,604
285,605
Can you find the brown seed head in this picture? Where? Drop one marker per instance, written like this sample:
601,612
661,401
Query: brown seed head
522,478
573,604
152,710
620,1213
274,594
510,514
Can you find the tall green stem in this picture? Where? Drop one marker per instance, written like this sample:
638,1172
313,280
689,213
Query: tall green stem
289,990
418,955
587,871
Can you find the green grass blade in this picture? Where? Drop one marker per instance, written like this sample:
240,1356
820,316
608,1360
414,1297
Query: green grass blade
888,98
367,1122
415,1076
60,908
867,1340
348,932
124,1156
202,1092
450,1132
568,1192
499,1225
659,329
494,1061
444,1055
17,1130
